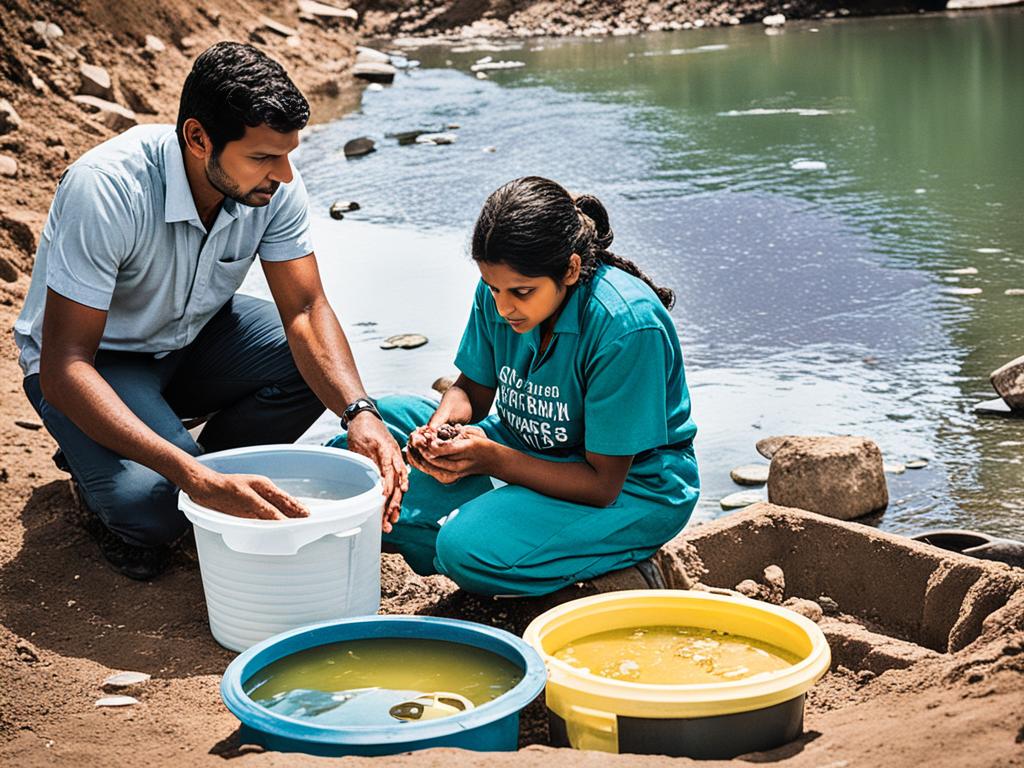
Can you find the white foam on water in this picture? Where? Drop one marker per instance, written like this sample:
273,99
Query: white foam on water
801,111
988,250
808,165
955,291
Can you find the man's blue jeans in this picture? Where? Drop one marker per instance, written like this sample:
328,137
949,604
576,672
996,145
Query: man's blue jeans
239,368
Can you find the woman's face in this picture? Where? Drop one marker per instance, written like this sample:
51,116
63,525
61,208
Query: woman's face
526,302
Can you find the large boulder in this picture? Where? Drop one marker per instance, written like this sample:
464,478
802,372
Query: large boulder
840,477
1008,381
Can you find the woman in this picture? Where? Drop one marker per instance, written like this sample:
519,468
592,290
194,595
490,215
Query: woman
592,435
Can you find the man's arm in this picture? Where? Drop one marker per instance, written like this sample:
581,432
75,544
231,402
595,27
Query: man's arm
71,383
324,359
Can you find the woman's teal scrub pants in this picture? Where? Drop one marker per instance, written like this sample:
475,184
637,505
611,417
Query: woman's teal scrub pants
514,541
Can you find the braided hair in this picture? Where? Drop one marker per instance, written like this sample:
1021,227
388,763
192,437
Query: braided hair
534,225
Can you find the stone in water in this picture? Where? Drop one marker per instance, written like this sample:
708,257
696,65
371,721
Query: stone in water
750,474
894,468
404,341
741,499
917,464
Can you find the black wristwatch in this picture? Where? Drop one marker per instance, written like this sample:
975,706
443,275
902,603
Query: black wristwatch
356,407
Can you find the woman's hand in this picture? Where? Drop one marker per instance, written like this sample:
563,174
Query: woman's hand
471,452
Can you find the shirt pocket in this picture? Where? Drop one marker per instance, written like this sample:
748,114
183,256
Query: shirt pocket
226,277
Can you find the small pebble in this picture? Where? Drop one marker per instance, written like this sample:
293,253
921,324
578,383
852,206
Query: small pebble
774,576
116,701
1014,292
32,425
749,587
443,384
828,605
894,468
124,680
916,464
807,608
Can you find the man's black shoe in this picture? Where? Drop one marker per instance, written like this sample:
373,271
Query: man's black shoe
139,563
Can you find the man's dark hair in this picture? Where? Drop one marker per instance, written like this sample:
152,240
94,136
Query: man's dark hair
232,86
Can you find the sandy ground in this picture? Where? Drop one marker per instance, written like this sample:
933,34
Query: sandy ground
929,649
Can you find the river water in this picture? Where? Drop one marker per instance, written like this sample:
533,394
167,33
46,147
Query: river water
838,207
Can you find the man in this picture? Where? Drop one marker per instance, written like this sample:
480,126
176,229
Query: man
131,322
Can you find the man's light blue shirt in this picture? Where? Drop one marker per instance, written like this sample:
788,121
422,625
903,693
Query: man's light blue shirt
123,235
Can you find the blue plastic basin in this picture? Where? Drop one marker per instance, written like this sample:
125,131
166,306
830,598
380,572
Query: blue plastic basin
491,727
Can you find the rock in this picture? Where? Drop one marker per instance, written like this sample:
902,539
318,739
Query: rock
775,20
374,72
155,44
443,384
958,291
741,499
404,341
359,147
9,120
137,101
375,87
95,82
48,31
828,606
339,209
894,468
116,701
406,137
275,26
774,577
1014,292
916,464
489,149
481,75
371,56
436,138
1008,382
807,608
963,271
9,273
123,680
750,588
32,426
114,116
8,166
996,407
750,474
769,445
839,477
325,11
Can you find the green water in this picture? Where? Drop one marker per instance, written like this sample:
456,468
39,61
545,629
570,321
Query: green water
363,682
673,655
840,299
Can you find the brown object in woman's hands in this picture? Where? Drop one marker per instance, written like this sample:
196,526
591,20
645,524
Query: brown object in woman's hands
448,432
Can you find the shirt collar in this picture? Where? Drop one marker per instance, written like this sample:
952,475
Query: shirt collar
569,320
179,205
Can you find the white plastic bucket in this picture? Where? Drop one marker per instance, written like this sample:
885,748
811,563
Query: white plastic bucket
262,577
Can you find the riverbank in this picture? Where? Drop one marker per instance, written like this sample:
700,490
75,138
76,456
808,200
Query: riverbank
67,621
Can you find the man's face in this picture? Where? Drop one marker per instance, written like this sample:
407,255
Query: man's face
251,169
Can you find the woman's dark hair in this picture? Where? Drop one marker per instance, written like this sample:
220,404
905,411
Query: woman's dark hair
534,225
232,86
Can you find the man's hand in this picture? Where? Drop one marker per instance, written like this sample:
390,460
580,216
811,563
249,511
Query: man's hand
251,496
368,435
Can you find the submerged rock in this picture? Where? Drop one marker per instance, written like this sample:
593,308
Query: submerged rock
404,341
1008,382
359,147
436,138
839,477
340,208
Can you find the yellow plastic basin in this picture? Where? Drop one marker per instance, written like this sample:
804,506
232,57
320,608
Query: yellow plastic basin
767,708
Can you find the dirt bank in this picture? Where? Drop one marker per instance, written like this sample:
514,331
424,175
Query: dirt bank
929,648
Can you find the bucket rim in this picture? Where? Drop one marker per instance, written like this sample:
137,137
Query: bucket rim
345,509
705,699
458,631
